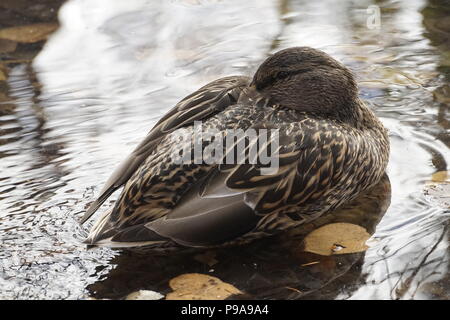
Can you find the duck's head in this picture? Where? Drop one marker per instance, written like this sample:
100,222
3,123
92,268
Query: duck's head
309,80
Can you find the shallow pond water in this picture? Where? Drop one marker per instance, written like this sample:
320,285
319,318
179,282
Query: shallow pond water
72,107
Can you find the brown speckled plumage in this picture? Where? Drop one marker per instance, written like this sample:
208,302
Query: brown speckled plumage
332,147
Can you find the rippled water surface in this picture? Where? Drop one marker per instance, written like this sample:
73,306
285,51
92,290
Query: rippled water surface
73,106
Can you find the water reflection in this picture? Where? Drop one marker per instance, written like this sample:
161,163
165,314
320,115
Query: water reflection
270,268
113,68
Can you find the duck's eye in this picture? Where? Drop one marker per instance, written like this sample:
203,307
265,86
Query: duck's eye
282,74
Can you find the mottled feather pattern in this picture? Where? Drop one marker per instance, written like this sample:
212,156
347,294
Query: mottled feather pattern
325,181
331,148
207,100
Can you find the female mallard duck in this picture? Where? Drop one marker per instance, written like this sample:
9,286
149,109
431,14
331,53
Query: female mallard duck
330,148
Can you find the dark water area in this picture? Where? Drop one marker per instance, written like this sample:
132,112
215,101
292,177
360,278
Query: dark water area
75,103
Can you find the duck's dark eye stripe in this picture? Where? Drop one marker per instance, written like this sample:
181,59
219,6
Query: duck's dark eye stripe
282,74
278,76
293,73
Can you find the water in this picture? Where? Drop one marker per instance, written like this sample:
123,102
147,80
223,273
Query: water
71,109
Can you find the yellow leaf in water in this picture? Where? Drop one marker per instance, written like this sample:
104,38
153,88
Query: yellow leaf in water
196,286
336,238
3,77
440,176
29,33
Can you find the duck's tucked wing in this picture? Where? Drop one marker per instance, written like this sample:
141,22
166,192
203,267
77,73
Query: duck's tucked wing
237,199
207,101
199,221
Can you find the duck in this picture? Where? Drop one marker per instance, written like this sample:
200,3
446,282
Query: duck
327,145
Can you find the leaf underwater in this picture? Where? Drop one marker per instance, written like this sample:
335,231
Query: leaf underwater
440,176
29,33
196,286
336,238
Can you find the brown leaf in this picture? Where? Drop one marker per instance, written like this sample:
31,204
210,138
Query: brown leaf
440,176
196,286
28,34
3,77
336,238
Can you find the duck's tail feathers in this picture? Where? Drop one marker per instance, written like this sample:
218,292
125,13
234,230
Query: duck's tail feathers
96,204
105,234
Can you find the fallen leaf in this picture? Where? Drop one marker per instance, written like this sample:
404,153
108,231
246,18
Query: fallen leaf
196,286
440,176
144,295
336,238
29,33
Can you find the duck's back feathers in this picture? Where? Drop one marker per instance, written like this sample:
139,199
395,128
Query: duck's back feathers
328,144
229,202
208,100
